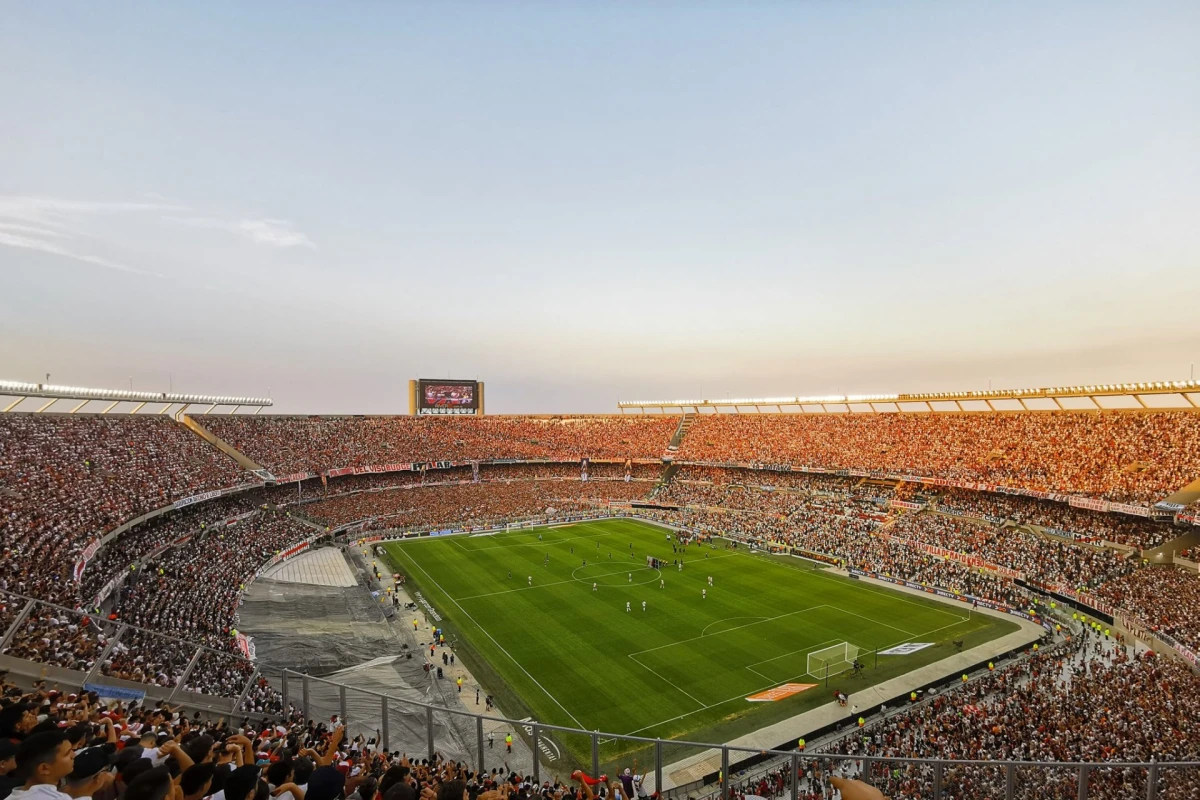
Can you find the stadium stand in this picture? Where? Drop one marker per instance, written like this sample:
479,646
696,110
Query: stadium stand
1119,456
156,605
66,480
315,444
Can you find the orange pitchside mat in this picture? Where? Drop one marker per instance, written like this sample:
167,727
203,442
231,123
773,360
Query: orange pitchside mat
780,692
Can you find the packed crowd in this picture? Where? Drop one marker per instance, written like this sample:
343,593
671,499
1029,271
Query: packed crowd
66,480
315,444
1165,598
1126,457
59,746
179,592
170,602
157,533
1084,700
1042,560
1078,523
466,505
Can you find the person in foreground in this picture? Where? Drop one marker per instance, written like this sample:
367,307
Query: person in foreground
856,790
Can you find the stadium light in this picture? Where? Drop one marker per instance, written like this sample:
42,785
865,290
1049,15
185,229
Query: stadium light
52,391
1081,390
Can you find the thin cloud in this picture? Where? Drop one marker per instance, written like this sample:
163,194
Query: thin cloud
42,246
273,232
40,224
41,209
33,230
66,228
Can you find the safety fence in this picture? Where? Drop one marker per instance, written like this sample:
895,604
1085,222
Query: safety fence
701,770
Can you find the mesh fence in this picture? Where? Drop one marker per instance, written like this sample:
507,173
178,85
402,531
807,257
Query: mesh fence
146,658
1178,782
57,637
10,607
1045,782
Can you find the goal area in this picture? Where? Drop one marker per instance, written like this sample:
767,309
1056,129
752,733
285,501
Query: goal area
829,661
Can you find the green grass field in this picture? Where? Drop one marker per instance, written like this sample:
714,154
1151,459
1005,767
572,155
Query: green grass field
567,655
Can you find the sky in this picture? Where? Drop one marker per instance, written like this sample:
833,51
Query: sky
584,202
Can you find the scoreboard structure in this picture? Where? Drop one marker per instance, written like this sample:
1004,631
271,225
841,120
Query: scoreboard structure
430,397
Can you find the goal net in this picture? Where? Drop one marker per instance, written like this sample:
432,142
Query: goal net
832,660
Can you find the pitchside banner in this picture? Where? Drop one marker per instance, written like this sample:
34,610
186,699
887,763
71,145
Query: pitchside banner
1080,502
962,598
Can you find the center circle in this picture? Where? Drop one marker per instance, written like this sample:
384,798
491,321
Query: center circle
604,574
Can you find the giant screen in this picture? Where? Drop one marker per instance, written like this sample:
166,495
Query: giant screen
447,397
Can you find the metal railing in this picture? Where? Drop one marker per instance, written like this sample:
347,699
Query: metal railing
188,674
703,769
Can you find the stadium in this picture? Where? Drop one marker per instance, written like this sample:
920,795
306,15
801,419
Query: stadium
599,400
696,591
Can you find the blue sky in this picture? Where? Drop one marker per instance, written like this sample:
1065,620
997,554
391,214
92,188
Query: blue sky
585,201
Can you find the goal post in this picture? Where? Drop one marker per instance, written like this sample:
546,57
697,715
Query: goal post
833,660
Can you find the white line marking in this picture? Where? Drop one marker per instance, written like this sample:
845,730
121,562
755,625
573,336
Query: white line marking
559,583
727,630
520,666
936,606
751,667
727,619
664,680
875,621
594,536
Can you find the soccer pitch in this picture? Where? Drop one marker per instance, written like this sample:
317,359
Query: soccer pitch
567,654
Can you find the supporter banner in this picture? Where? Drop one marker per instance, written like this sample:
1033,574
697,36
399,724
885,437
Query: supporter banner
377,468
198,498
115,692
1165,506
295,477
340,471
87,555
1125,508
907,504
1081,502
951,555
1081,597
263,475
954,512
245,646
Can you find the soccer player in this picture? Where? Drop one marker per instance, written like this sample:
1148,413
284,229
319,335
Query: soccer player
631,577
643,605
593,587
626,606
531,580
704,594
680,565
662,584
710,580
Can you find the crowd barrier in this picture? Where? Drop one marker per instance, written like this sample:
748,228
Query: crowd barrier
677,768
